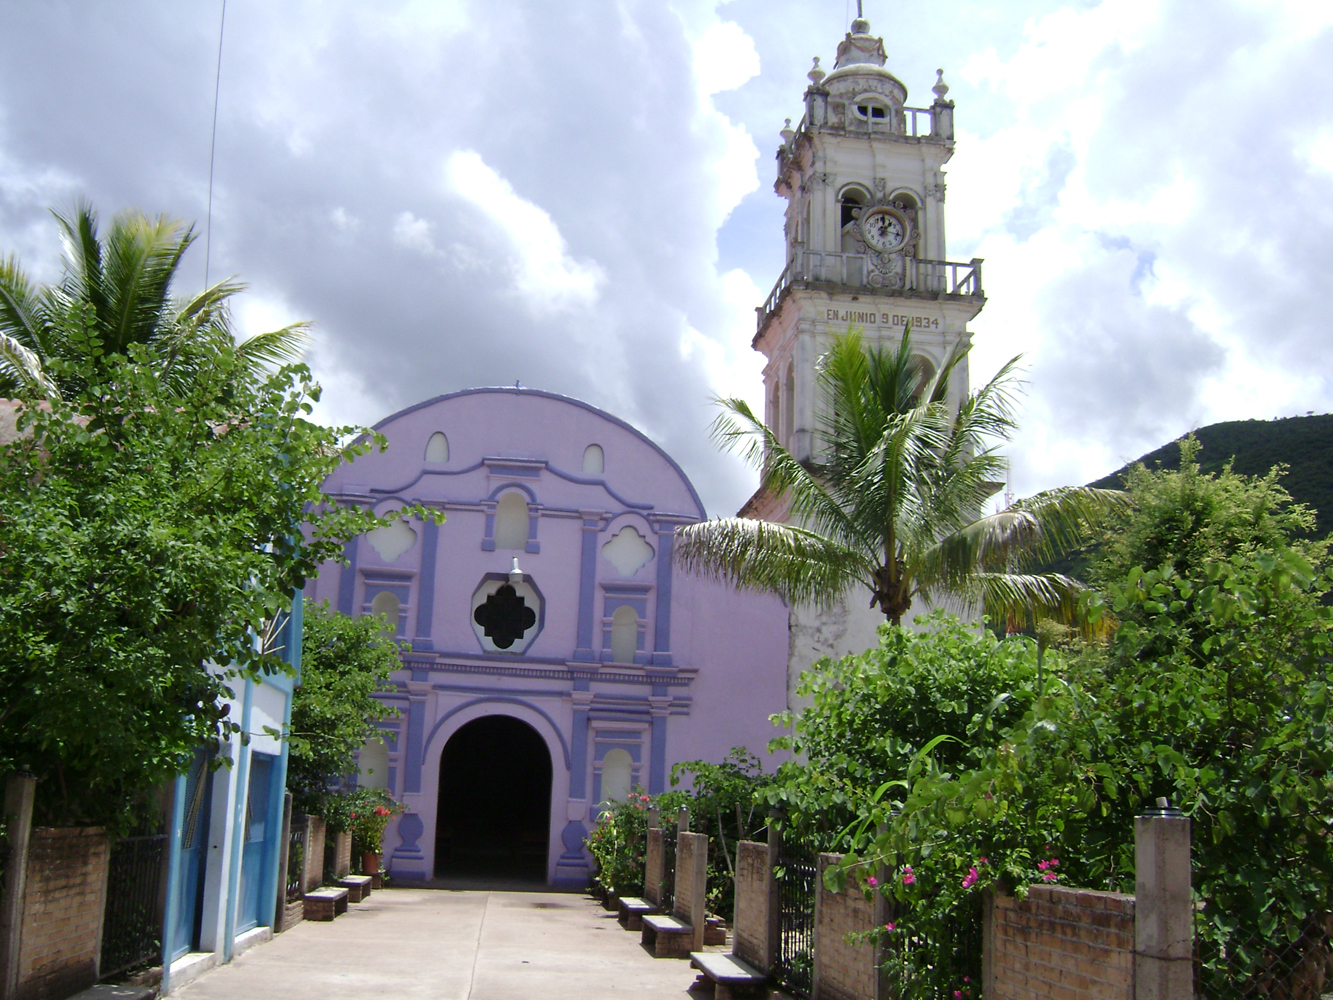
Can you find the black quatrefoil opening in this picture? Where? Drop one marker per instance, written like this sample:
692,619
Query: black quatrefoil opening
504,617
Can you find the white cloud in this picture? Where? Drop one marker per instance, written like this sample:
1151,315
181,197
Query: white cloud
413,233
545,275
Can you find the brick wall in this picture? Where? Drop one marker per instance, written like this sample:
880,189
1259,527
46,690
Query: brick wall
293,913
1071,944
684,901
754,882
62,912
843,971
342,864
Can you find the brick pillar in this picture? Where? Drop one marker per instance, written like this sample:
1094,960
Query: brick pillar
314,853
753,940
692,883
1164,910
280,914
654,867
19,792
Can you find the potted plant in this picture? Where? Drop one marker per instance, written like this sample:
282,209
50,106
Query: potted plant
370,814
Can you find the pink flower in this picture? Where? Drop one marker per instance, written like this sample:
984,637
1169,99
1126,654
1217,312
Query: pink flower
970,879
872,880
980,861
890,926
1043,865
958,994
1049,876
908,877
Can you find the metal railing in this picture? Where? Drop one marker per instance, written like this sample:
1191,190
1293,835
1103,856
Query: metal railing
796,875
854,270
1250,966
132,920
668,892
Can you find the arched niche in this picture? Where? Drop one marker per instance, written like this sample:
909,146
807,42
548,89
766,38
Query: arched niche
373,764
386,605
617,775
624,634
511,521
437,448
594,460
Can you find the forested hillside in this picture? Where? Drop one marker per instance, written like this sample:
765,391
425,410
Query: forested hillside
1303,444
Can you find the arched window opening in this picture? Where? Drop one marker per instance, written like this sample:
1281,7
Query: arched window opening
872,111
511,522
373,762
853,200
924,370
594,460
624,634
386,605
617,775
437,448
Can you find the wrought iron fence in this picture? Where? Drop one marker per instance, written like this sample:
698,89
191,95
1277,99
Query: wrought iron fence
797,870
296,862
1255,965
935,959
132,920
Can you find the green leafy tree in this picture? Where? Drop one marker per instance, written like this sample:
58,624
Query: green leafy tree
153,528
1213,692
344,661
892,507
115,292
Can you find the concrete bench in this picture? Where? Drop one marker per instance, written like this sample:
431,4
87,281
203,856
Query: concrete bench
633,910
106,991
358,887
667,937
325,903
732,979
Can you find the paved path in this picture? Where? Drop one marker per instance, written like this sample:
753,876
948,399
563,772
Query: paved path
454,945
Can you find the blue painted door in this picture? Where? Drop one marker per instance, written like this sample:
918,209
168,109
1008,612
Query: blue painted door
258,829
194,856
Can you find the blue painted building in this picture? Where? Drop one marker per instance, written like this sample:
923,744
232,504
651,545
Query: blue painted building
225,834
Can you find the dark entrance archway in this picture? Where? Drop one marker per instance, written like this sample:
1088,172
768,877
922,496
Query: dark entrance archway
494,813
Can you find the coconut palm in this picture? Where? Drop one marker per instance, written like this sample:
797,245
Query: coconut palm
114,293
893,505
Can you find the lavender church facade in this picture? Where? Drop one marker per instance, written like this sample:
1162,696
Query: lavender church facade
557,657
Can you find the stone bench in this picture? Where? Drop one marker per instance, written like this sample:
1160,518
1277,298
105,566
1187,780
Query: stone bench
633,910
732,979
325,903
715,931
358,887
667,937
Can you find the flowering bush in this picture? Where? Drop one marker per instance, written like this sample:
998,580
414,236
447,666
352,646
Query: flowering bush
365,812
618,842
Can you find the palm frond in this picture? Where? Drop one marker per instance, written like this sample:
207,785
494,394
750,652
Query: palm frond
1006,596
738,430
21,369
798,565
276,347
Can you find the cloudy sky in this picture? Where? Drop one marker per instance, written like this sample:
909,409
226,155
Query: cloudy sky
578,195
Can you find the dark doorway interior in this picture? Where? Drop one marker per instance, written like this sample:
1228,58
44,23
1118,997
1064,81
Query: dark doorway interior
495,802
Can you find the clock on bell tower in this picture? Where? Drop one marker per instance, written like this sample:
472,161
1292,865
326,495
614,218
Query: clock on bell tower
864,182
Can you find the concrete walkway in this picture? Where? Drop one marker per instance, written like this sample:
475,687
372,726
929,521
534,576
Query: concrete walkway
454,945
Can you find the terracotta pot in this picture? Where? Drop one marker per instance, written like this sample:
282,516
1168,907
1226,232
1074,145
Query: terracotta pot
370,863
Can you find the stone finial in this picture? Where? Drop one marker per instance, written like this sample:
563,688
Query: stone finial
941,88
816,73
860,26
787,133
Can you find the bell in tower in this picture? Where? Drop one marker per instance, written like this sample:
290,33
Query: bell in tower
864,181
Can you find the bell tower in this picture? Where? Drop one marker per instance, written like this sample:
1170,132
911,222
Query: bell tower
864,182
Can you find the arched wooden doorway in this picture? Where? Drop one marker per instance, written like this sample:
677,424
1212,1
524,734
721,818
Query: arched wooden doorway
494,812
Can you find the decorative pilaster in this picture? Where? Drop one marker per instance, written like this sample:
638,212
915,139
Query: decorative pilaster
666,537
592,525
430,545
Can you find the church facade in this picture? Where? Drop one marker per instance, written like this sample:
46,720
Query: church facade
555,657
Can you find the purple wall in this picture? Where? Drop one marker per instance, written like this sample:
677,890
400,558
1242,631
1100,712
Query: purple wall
709,664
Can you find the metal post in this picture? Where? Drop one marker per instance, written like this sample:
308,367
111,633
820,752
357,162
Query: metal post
1163,907
20,790
683,821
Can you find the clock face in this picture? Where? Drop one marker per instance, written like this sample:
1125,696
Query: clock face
883,229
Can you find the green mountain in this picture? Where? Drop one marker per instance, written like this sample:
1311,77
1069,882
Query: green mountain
1303,444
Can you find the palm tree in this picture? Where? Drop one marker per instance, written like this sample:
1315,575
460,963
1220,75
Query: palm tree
893,506
114,293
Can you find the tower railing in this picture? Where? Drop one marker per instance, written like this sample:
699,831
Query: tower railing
854,270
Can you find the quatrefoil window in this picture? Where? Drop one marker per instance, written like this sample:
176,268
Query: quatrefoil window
504,617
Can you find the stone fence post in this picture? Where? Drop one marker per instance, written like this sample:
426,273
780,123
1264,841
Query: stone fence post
1164,908
753,940
654,866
